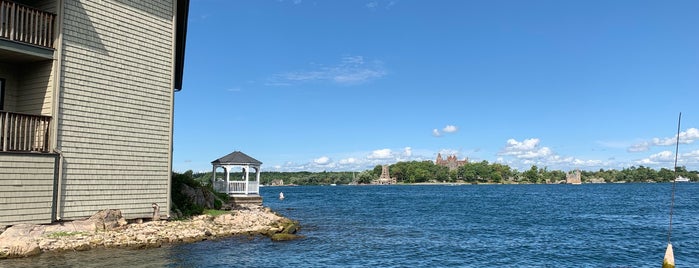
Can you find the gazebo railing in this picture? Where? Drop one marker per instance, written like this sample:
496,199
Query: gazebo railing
237,187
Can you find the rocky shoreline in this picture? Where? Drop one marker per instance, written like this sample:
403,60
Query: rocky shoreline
108,229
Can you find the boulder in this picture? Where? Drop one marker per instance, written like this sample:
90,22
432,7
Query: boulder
20,241
108,219
198,196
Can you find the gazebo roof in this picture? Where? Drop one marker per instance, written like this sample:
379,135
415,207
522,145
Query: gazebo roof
236,158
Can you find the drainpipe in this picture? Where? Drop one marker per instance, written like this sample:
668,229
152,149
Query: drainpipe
58,43
59,184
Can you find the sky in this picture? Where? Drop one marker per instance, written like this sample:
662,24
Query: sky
347,85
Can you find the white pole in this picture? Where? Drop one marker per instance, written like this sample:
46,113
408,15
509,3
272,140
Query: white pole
228,184
247,176
258,180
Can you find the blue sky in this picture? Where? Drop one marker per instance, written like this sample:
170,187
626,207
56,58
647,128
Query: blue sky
347,85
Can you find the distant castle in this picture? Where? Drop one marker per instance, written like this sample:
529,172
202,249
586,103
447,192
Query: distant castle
573,177
451,162
385,177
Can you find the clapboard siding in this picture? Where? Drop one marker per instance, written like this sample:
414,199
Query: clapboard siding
115,106
26,188
36,89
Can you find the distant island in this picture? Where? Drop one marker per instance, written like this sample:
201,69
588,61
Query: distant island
463,171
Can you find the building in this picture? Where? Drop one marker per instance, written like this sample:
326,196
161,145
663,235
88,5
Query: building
573,177
86,106
451,162
242,189
385,177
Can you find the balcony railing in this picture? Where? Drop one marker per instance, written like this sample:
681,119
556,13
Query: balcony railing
24,132
25,24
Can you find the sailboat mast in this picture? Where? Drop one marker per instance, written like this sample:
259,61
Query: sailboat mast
672,200
669,259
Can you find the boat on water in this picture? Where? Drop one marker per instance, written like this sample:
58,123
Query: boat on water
682,179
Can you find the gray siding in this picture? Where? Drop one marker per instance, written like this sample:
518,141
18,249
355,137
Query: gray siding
35,89
115,108
26,188
29,87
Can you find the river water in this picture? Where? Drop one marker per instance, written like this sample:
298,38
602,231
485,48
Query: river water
591,225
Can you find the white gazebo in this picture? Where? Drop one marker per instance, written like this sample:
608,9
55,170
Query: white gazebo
240,186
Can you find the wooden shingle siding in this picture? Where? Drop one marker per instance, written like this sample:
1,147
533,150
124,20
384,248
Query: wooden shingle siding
36,87
26,188
115,107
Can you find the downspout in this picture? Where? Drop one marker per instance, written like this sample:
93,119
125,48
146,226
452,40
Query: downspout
173,66
57,75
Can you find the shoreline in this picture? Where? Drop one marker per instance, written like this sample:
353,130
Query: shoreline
25,240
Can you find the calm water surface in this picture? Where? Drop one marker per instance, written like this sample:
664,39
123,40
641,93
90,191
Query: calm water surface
605,225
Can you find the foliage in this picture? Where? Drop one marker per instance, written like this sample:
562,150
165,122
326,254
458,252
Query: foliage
473,172
181,201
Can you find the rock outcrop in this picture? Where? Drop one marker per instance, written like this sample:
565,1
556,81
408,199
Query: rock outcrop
108,229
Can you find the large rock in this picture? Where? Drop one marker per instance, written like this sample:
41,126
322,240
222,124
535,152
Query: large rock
108,219
198,196
20,241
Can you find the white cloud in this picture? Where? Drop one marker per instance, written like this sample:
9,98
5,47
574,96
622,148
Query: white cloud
407,151
450,129
350,71
686,137
525,149
661,157
639,147
372,5
446,129
381,154
348,161
323,160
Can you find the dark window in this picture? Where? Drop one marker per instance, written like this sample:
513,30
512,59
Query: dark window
2,94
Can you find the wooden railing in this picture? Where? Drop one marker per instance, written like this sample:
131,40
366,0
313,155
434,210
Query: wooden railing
237,187
25,24
24,132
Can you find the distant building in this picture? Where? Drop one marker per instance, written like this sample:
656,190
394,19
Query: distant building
451,162
573,177
385,177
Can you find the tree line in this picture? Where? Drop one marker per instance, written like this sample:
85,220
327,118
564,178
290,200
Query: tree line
473,172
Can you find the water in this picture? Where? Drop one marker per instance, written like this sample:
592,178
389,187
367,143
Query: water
606,225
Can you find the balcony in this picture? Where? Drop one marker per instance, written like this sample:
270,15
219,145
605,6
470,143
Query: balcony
26,33
24,132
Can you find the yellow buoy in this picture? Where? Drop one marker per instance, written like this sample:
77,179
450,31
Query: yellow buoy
669,260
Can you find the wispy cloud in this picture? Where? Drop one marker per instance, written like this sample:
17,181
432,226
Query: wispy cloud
350,70
685,137
530,152
375,5
323,160
446,129
527,149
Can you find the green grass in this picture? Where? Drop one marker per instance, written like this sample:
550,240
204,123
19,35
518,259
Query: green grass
215,212
64,234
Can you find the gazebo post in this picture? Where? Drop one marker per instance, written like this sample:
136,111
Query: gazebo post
213,178
257,170
247,179
228,175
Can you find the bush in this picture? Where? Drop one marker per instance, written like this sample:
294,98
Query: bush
181,201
